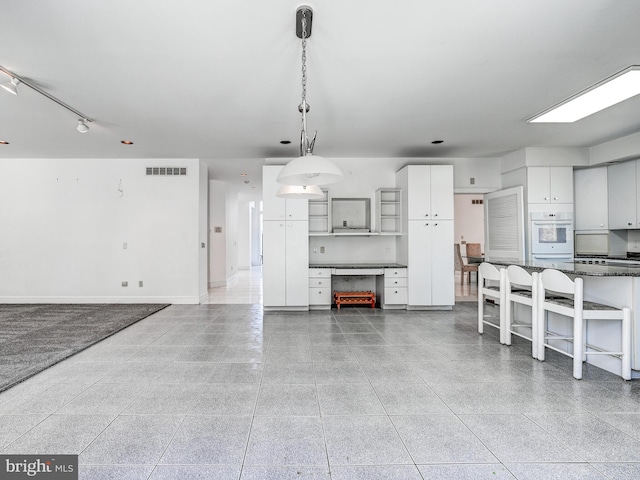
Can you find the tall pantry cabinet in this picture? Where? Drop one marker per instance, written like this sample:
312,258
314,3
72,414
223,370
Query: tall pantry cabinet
285,246
426,245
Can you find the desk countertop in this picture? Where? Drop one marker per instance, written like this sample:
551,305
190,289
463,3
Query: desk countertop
357,265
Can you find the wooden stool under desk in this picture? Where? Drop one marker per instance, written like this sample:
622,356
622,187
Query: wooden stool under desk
355,298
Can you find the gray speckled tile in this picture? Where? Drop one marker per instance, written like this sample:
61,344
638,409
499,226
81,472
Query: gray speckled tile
282,441
165,399
493,471
363,440
287,400
114,472
349,399
332,353
391,372
47,400
440,438
13,426
629,423
226,399
285,473
593,439
236,373
555,471
339,372
211,440
515,438
62,434
195,472
409,399
618,471
132,439
283,373
102,398
378,472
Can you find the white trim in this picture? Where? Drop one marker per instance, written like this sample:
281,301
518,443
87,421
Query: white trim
219,283
173,300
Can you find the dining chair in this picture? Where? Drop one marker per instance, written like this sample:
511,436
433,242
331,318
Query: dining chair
462,267
474,250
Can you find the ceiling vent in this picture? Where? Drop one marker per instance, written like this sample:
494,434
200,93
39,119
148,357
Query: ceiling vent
167,171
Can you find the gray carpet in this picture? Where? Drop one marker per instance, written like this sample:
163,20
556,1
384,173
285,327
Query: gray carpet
34,337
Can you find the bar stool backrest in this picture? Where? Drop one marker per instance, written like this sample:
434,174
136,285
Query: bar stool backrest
556,281
519,276
489,272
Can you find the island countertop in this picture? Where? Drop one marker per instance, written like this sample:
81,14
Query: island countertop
576,268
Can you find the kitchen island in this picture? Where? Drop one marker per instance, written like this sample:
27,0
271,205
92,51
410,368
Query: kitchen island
613,283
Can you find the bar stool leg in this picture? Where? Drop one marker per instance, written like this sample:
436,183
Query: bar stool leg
626,344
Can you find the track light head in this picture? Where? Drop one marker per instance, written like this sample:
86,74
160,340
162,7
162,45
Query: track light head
11,86
82,126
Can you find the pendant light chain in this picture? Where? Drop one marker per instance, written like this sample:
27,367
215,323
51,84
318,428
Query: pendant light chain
304,58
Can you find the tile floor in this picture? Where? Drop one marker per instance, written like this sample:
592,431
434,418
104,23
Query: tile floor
225,391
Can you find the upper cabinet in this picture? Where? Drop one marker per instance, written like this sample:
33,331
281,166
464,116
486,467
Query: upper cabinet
623,195
430,191
591,200
276,208
389,211
550,185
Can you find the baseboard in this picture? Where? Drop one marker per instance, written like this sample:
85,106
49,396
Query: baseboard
285,309
219,283
148,299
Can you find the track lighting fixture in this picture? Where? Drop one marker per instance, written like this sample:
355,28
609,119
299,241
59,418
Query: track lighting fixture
10,86
82,126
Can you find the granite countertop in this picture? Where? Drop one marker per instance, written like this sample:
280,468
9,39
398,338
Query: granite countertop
357,265
581,269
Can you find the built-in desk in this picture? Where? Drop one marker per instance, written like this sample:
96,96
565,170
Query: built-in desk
616,285
387,280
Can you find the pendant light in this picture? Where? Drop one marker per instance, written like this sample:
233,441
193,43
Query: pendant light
308,169
308,192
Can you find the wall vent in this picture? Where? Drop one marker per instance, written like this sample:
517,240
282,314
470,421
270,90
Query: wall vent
164,171
477,202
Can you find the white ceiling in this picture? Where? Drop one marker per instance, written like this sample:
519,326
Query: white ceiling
220,80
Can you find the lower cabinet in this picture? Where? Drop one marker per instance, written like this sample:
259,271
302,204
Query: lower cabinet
430,278
392,291
320,288
285,264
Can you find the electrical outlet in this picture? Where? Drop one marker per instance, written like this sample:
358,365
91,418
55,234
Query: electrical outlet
141,283
125,283
315,250
387,250
321,249
124,245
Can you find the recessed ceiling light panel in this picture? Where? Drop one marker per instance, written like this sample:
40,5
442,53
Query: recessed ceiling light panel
619,87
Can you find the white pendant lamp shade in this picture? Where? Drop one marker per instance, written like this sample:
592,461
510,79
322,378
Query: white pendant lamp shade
308,192
310,170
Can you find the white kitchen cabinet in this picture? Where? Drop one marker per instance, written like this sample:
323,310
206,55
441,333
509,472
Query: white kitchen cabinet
623,195
393,292
320,288
550,185
591,199
429,191
285,264
430,277
276,208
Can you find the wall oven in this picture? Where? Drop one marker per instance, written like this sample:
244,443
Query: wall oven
552,235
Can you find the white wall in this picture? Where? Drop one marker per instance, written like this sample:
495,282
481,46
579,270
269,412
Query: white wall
244,235
217,240
203,203
65,222
232,212
468,220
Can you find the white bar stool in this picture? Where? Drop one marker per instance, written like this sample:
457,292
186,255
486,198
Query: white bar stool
580,311
518,277
488,272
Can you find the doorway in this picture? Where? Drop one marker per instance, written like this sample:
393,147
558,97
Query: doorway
468,227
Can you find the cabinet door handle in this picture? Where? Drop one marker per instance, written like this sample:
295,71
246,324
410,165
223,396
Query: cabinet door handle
629,223
436,215
435,224
555,198
426,214
546,198
427,224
